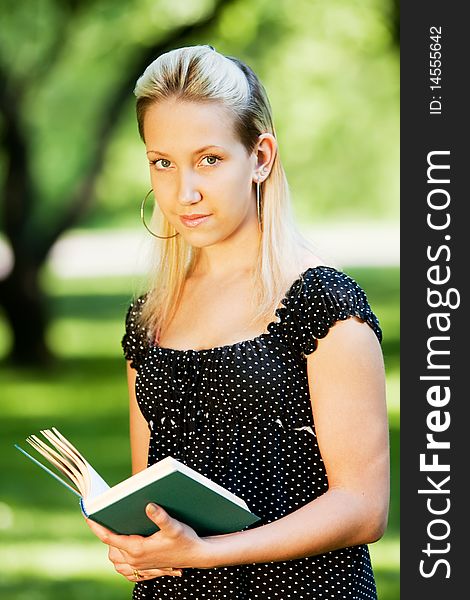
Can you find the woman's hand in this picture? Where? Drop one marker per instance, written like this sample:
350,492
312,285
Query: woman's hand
166,552
123,567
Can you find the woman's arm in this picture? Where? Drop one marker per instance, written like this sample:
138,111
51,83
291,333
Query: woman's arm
347,388
138,428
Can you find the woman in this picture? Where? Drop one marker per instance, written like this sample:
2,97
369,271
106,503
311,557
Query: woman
249,359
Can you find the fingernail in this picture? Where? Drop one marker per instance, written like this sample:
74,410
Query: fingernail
152,508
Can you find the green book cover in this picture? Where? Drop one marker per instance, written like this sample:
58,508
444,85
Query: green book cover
184,498
184,493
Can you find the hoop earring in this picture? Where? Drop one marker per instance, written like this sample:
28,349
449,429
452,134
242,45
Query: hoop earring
142,216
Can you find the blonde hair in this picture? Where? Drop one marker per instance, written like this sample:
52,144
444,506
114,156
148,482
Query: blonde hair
200,74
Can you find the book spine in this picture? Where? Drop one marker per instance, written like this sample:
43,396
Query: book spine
82,506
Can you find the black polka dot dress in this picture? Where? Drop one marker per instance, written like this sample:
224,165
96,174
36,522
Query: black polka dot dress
241,415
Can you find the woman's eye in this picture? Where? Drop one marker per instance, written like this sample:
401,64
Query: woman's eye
212,159
164,162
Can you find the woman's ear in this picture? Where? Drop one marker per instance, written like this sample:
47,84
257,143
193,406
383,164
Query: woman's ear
265,151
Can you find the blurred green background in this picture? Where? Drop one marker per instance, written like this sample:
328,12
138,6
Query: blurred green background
71,163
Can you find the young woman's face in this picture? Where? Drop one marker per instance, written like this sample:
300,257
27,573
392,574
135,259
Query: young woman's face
199,167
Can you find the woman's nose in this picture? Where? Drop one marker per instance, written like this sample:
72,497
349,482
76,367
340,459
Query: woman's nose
188,191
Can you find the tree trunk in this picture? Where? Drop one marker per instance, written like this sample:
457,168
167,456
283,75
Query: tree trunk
26,310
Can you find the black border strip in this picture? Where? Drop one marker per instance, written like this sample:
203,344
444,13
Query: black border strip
434,355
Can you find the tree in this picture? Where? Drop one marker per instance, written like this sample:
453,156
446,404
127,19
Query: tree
21,295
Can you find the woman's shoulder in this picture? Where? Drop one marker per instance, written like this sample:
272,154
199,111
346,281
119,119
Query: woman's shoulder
320,273
323,295
313,261
135,342
135,308
316,273
330,284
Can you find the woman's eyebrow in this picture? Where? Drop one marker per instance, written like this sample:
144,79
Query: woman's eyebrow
203,149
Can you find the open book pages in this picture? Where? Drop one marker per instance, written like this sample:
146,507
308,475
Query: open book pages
68,460
157,471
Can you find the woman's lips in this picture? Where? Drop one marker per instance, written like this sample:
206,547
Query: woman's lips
194,221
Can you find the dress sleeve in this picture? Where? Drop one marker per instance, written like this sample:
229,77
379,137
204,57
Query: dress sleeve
326,296
135,342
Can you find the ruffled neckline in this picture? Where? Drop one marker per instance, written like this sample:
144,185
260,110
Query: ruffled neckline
271,327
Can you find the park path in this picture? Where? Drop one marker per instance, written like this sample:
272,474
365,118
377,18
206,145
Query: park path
127,252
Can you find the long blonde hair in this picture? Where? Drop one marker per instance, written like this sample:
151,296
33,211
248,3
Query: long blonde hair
200,74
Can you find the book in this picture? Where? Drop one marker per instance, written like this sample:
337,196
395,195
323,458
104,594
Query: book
184,493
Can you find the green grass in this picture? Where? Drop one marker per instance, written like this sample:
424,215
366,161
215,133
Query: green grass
47,551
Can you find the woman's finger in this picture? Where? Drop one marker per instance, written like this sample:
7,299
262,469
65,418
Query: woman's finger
115,555
108,537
